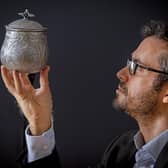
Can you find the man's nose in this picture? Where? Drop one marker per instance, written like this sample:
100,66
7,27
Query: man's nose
123,74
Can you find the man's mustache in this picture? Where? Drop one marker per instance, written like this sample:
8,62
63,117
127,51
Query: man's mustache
122,85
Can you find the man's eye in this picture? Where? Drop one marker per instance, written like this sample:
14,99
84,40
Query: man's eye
140,69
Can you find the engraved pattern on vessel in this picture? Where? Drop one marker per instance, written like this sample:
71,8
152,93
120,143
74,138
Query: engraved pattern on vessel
8,56
30,54
25,45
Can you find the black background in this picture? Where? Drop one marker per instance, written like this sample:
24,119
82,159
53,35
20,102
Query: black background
89,41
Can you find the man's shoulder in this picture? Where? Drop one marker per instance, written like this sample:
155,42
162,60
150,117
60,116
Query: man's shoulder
128,135
124,140
120,152
125,137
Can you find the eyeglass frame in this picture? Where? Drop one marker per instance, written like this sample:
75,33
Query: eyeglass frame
133,65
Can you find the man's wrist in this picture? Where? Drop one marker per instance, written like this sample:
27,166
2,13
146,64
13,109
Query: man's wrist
37,130
38,127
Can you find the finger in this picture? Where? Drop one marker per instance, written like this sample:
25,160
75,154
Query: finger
7,78
44,83
17,82
25,80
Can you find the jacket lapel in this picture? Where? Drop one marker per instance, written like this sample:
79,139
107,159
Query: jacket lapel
162,161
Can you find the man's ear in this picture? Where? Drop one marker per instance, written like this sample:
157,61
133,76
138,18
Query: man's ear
165,99
165,93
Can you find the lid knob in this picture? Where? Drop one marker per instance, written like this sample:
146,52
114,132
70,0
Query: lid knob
26,14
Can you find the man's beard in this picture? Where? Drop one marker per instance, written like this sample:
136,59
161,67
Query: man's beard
121,104
138,106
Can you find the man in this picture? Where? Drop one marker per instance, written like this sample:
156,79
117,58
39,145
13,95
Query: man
142,92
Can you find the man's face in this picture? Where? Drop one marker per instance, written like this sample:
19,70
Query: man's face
136,93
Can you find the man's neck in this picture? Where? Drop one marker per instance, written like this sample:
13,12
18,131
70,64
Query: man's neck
151,129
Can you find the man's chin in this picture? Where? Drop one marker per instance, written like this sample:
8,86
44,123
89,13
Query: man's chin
118,105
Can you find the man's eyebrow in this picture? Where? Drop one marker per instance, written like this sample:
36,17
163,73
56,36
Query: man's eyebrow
139,61
133,57
136,60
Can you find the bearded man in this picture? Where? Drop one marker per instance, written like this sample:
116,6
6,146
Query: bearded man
142,92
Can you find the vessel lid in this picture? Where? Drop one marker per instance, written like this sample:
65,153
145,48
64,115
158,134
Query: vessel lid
25,24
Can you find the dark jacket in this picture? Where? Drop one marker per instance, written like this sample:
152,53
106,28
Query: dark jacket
119,154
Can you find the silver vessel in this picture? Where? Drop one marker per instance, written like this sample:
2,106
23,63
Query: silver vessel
25,46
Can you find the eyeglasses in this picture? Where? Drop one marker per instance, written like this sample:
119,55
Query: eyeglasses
133,65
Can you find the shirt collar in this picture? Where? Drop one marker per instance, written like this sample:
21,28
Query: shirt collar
154,146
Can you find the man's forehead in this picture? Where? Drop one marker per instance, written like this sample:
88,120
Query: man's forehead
150,47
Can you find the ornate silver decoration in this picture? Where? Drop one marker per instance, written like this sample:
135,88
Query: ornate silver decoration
25,46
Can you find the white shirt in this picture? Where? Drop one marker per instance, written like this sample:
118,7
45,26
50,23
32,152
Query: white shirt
40,146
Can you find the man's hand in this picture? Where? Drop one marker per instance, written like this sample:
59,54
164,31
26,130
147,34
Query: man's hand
36,104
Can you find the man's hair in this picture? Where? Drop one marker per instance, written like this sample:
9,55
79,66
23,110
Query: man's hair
158,29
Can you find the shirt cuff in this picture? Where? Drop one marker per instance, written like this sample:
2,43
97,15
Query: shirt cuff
40,146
